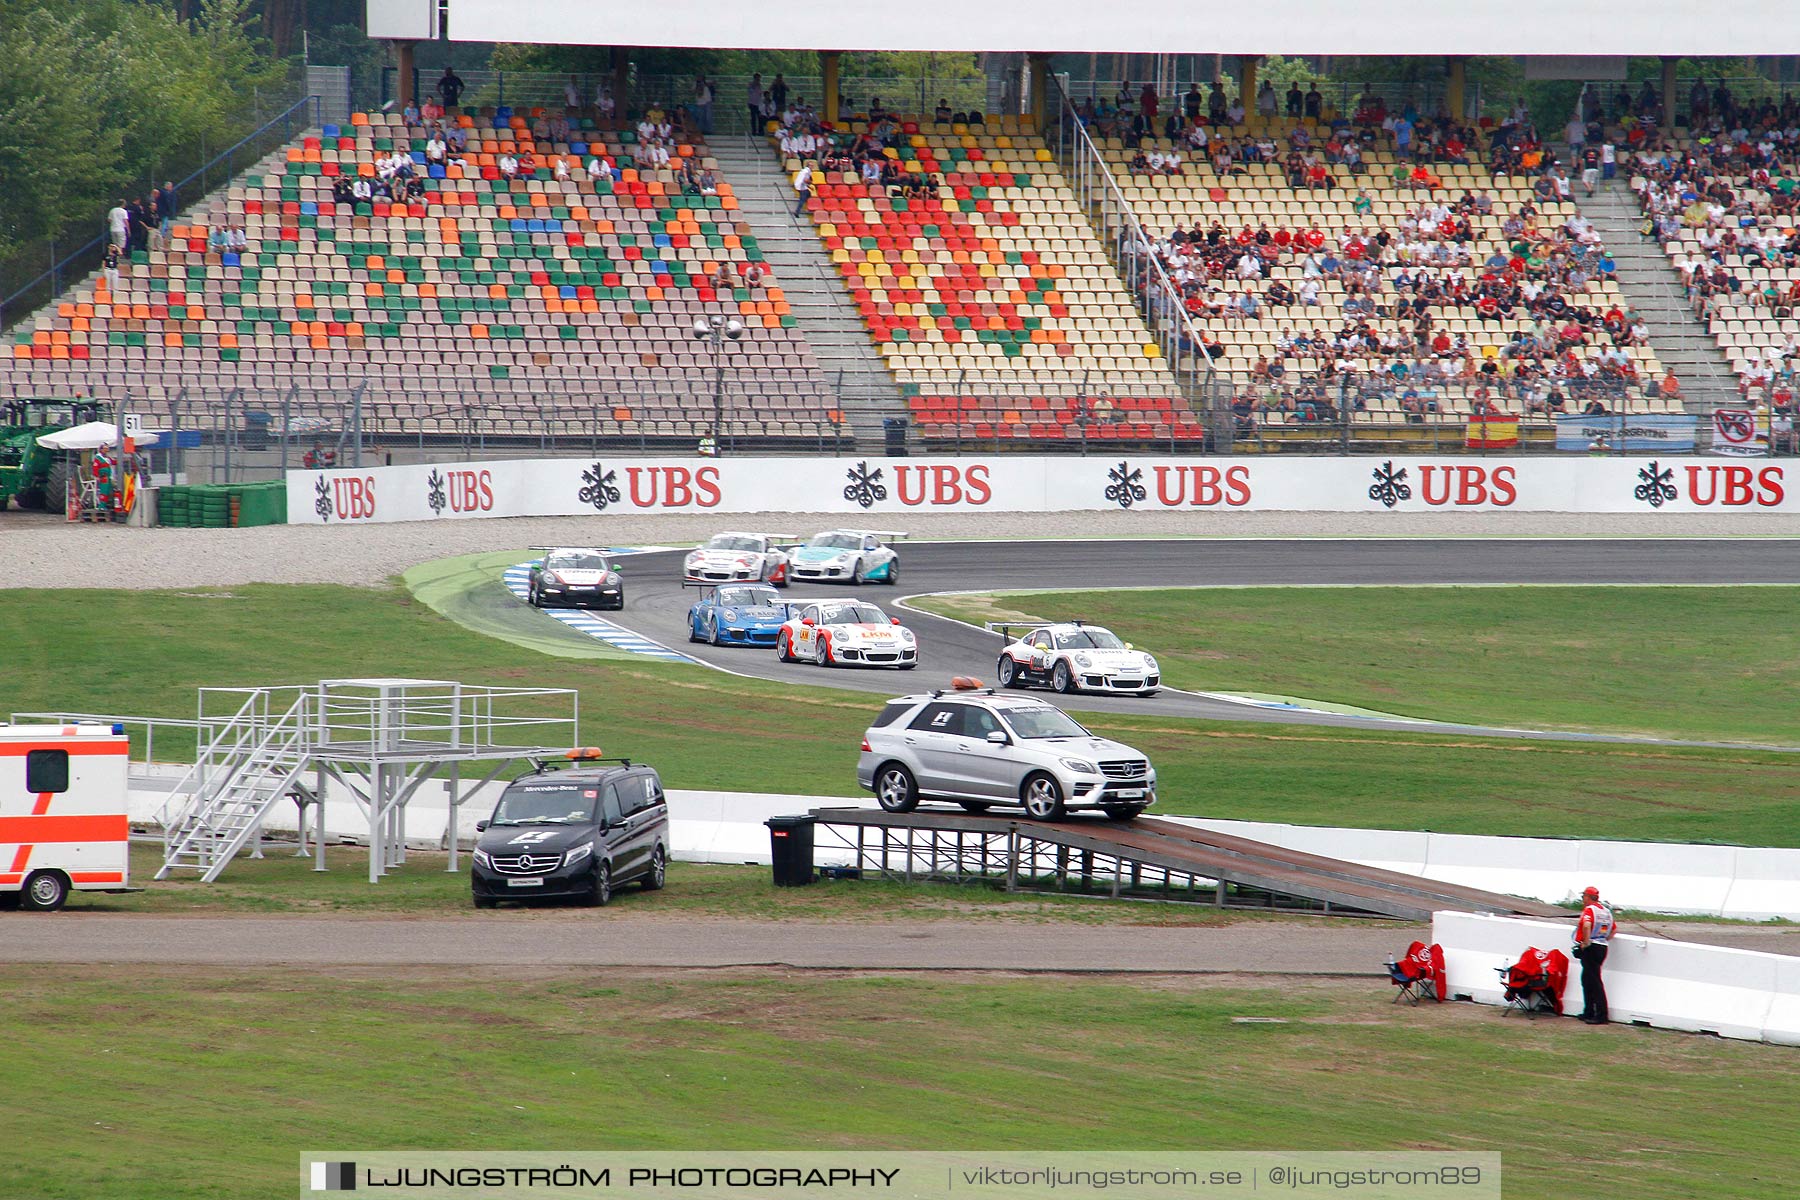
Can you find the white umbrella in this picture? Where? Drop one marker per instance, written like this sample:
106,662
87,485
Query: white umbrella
91,436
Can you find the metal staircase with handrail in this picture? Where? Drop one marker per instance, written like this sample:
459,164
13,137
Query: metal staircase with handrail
246,765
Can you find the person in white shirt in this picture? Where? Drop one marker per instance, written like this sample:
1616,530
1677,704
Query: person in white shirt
603,102
803,185
119,222
562,167
509,166
435,150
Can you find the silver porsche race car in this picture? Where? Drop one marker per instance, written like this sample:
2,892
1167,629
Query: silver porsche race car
740,558
1073,657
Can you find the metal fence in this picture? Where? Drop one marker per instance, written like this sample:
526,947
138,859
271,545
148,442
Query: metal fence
237,434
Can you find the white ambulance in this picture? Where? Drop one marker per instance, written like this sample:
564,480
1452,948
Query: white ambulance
63,820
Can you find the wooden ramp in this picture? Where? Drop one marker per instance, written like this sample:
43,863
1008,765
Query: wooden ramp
1146,858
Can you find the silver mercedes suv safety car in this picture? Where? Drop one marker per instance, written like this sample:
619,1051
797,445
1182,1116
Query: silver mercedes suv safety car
980,749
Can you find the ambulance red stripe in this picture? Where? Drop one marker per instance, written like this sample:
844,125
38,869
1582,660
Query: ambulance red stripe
108,827
76,749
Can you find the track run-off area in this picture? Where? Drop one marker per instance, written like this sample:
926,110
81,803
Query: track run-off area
658,604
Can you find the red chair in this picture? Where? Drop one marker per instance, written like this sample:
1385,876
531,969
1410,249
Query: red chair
1420,975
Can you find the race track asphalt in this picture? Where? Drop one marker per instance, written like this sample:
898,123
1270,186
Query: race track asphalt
658,605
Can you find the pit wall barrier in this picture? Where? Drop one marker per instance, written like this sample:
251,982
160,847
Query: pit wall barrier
1742,882
1018,483
1744,994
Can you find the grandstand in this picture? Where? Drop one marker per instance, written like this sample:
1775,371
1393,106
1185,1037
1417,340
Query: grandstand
1004,299
554,302
986,289
1254,206
1723,211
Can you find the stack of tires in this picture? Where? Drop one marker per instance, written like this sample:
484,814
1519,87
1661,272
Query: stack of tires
172,506
223,506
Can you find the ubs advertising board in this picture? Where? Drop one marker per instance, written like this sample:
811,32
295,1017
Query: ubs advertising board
869,486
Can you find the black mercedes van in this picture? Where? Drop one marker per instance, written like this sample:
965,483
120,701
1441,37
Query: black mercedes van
577,832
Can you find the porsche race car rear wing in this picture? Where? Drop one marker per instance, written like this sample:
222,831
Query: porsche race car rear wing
1005,628
882,535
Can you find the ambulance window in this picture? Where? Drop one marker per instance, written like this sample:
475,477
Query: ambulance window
46,771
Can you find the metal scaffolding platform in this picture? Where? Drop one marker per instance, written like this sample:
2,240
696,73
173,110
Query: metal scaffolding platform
1146,858
380,739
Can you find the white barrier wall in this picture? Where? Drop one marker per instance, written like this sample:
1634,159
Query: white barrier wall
1742,882
722,827
894,487
1733,993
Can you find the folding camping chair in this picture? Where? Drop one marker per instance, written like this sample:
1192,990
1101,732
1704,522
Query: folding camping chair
1419,975
1535,983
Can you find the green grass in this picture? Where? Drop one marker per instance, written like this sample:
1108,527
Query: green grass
128,1078
1701,664
146,652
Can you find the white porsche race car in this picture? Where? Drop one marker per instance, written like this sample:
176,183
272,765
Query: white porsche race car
849,556
740,558
845,633
1073,657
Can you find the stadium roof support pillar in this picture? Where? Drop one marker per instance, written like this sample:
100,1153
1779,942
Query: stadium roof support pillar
621,81
403,56
1247,81
828,76
1668,95
1456,79
1040,90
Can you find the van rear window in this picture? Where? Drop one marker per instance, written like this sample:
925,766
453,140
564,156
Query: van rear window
46,771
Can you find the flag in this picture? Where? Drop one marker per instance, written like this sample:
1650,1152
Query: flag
1492,433
1737,431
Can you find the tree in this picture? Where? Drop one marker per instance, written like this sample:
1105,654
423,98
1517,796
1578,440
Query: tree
102,96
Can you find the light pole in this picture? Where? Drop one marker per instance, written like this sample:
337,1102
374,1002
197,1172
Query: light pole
716,329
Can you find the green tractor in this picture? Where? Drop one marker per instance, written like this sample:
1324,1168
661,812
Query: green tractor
37,478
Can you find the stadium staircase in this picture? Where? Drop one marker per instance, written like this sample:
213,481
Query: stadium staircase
866,391
1653,286
252,764
990,299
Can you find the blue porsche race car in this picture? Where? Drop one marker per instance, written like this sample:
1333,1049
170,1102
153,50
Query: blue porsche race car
737,614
